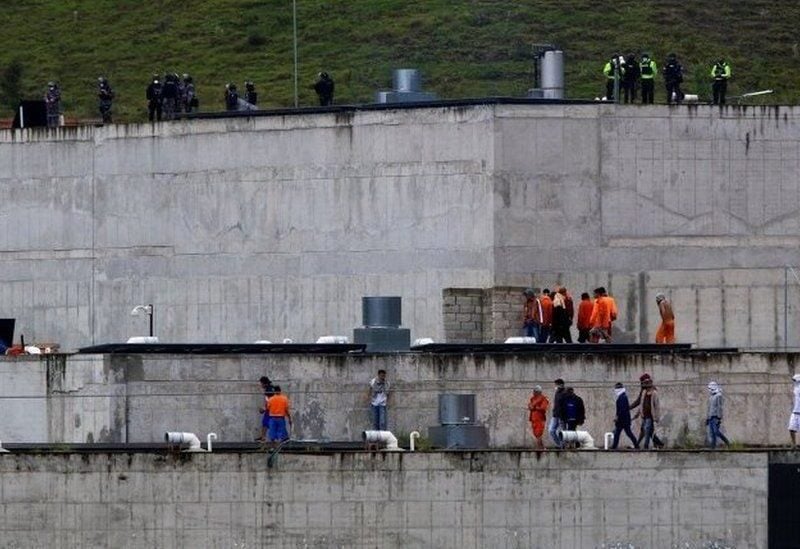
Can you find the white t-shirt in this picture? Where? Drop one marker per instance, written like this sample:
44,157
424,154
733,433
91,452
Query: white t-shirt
796,409
379,390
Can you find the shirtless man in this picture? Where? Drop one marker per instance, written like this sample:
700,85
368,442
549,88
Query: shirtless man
666,330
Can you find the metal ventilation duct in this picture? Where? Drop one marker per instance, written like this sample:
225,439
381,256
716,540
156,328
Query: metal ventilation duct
407,88
548,72
381,332
406,80
459,426
457,409
382,311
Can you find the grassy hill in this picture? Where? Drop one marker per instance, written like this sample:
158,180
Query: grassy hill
465,48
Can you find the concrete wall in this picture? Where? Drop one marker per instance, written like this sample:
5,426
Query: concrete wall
243,229
493,499
138,398
700,203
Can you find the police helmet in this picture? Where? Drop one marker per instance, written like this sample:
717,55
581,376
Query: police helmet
51,84
672,56
324,75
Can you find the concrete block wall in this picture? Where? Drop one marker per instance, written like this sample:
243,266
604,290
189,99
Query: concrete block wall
138,398
424,500
464,314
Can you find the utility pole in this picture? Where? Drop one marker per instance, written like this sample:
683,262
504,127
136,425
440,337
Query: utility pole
294,32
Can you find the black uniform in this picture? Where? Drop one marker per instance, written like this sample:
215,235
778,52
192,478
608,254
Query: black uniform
52,100
673,77
630,80
155,98
250,94
324,88
170,96
189,97
105,96
231,98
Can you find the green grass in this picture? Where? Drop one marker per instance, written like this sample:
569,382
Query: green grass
465,48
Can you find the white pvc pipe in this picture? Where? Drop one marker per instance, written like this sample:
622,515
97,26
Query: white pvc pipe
581,437
382,437
174,437
208,440
411,438
608,439
520,339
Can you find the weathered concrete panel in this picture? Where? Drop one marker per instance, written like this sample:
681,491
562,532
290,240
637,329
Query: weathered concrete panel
483,499
139,397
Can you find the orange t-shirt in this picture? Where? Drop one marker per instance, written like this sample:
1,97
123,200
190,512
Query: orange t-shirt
585,314
278,406
601,313
547,310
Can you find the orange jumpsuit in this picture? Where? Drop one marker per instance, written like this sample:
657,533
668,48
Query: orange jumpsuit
666,332
538,414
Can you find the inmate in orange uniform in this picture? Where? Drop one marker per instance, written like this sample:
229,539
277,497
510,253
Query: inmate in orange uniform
666,330
600,320
584,315
538,414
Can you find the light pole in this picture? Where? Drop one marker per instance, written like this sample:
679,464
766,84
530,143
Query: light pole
294,32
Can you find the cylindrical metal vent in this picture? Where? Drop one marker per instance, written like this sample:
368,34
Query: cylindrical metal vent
381,311
406,80
457,409
552,67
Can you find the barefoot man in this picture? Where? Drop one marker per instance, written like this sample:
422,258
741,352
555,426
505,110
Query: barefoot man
666,330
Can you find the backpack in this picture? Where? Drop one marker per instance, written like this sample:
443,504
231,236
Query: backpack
571,410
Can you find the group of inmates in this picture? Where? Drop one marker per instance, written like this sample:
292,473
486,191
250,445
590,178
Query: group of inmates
548,316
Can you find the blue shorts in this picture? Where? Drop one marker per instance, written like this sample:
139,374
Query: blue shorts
265,420
277,429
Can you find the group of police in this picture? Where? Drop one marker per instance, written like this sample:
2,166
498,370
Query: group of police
170,96
625,74
52,101
235,103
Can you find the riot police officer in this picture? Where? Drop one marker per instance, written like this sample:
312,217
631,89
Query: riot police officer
648,71
52,100
614,71
155,98
250,93
673,77
721,73
231,97
324,88
189,97
170,96
105,96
